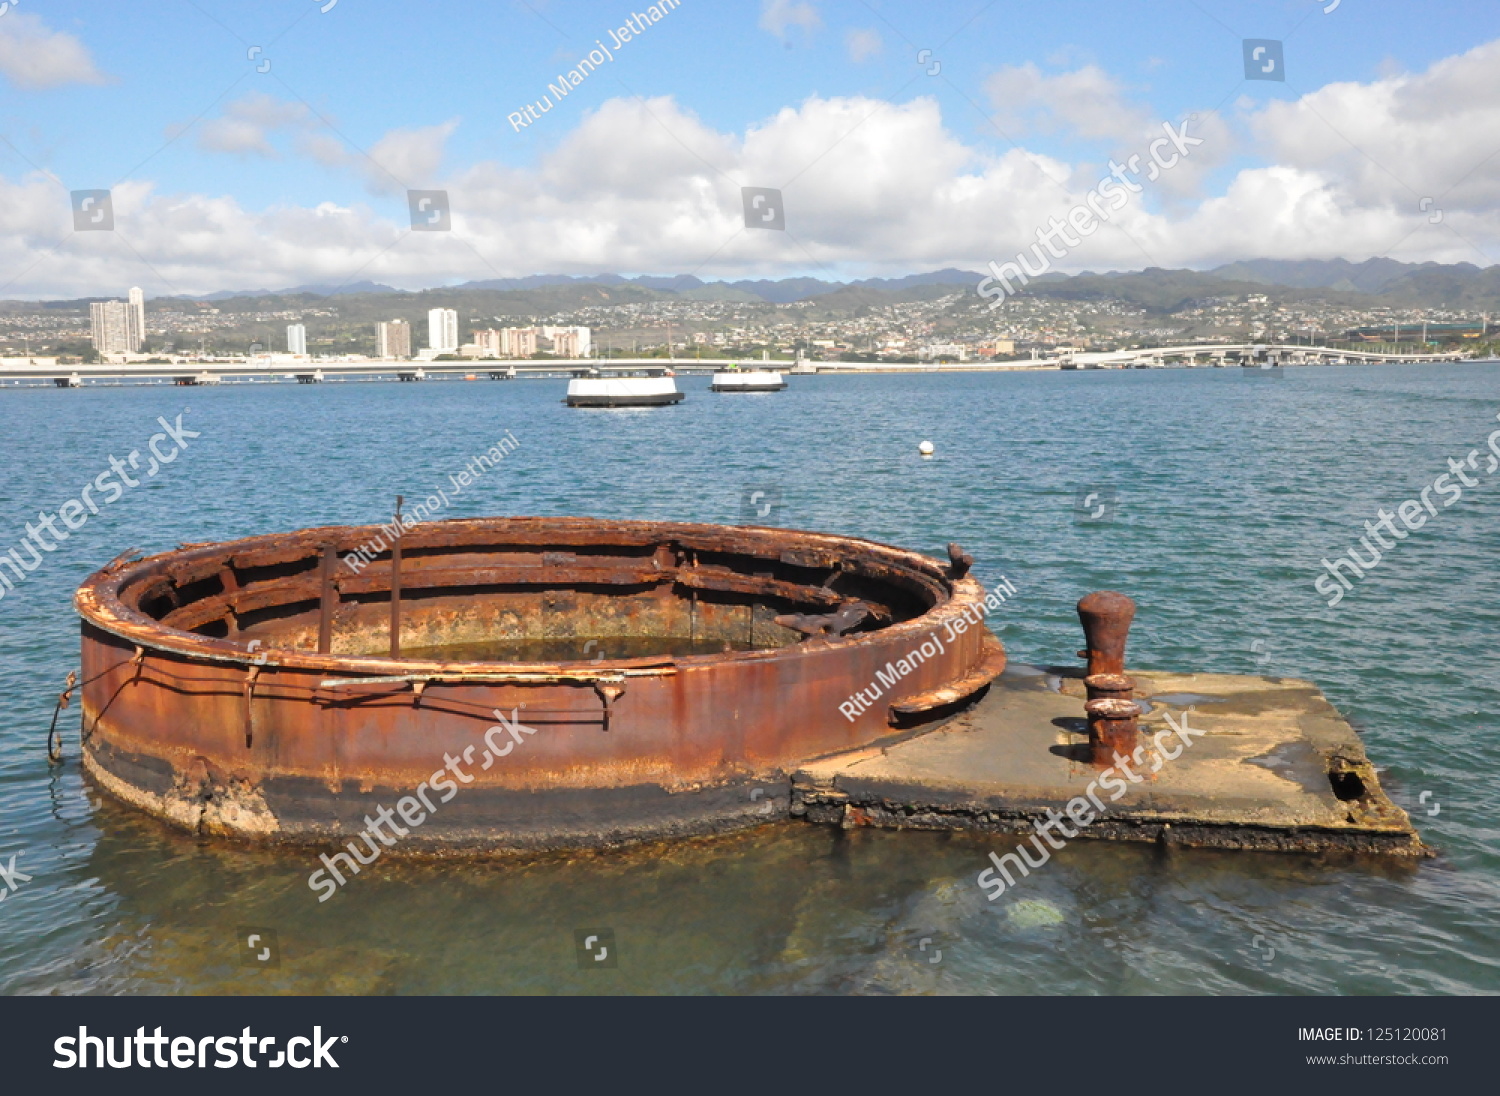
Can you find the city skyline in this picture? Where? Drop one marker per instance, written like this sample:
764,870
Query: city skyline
936,321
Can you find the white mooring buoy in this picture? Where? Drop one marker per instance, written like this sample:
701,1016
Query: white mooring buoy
926,449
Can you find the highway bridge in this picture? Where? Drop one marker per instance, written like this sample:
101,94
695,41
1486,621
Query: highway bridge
1240,353
193,372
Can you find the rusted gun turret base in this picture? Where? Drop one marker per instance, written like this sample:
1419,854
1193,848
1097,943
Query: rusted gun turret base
1277,768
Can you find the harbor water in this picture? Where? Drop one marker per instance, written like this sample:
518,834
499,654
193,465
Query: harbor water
1209,496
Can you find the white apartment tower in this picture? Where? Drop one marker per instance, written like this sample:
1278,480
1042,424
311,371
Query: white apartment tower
138,313
115,329
296,339
442,330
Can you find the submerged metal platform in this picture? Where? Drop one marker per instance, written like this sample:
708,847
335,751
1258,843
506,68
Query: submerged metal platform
1260,763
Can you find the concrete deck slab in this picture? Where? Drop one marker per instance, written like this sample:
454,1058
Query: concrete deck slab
1262,763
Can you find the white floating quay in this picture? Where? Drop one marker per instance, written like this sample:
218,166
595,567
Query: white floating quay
749,380
623,392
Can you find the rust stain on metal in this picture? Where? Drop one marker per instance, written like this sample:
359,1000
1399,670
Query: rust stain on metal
329,600
959,561
295,694
1106,617
1109,687
1112,714
1113,729
394,595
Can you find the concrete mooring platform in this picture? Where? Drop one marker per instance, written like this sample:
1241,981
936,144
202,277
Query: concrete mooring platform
1225,761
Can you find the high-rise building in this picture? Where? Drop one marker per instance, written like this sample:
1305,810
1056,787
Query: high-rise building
393,340
296,338
138,314
521,342
115,329
517,342
578,339
442,330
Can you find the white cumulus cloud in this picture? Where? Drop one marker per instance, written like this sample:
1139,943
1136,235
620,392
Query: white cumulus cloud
245,126
33,56
399,159
1399,138
863,44
409,157
779,16
1087,101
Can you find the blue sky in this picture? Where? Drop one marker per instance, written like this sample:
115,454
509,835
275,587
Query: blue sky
164,103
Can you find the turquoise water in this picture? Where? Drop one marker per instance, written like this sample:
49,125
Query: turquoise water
1228,491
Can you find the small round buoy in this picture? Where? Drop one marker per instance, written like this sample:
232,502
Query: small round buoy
926,449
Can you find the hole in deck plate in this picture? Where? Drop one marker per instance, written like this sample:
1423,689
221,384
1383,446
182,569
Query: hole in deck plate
1347,786
575,649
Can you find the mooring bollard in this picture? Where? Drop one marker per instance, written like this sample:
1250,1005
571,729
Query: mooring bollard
1113,729
1106,618
1109,687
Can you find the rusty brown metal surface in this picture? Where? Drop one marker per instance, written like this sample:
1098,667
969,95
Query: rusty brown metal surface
1106,617
1109,687
1113,729
394,595
959,561
283,739
328,601
990,666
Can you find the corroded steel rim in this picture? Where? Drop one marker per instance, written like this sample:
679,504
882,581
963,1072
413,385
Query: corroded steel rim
185,719
102,600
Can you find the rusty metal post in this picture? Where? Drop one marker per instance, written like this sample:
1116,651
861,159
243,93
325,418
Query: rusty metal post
396,583
1109,687
1106,618
1113,729
328,601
